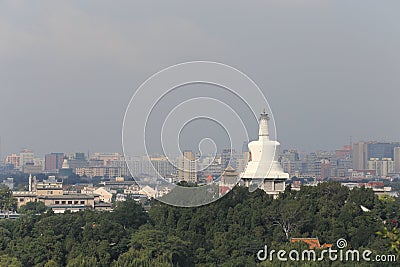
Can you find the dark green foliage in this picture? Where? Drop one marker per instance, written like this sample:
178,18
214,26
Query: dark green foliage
85,238
158,245
7,261
33,208
394,237
228,232
83,261
129,214
7,201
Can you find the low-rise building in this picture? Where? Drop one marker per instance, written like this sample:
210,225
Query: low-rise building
103,194
51,193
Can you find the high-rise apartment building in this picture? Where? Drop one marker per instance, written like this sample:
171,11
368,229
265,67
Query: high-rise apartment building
53,162
15,160
77,160
227,158
397,159
344,153
383,167
241,162
290,161
364,151
187,167
381,150
26,156
107,158
162,167
360,155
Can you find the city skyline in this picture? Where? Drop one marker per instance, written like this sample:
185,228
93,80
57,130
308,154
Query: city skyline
66,82
43,153
347,161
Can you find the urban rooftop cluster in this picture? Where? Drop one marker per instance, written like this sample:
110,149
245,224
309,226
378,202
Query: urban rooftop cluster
75,181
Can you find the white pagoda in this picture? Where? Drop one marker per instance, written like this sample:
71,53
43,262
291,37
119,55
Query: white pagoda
263,170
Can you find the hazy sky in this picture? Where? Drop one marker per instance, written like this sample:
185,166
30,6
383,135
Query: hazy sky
330,69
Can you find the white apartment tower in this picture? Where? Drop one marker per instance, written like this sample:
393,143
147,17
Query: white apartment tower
187,167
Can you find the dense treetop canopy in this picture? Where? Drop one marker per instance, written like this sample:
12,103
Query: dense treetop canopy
228,232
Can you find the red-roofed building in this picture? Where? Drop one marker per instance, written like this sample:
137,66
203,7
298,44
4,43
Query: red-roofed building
311,242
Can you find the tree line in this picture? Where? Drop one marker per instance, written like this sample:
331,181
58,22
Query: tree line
228,232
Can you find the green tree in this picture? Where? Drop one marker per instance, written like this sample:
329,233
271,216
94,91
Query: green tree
37,207
5,238
83,261
228,232
7,261
287,216
7,201
158,245
393,236
129,214
134,258
52,263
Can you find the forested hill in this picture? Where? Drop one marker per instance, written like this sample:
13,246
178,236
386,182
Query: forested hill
228,232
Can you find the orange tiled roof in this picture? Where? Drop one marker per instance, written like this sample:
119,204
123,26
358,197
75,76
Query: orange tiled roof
311,242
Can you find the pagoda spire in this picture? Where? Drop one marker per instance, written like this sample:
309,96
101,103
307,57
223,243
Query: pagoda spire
263,130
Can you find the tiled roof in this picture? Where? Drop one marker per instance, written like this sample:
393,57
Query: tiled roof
311,242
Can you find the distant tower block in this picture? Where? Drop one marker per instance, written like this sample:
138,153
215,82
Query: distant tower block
396,159
263,169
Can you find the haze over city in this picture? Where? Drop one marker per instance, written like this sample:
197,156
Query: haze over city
199,133
69,68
